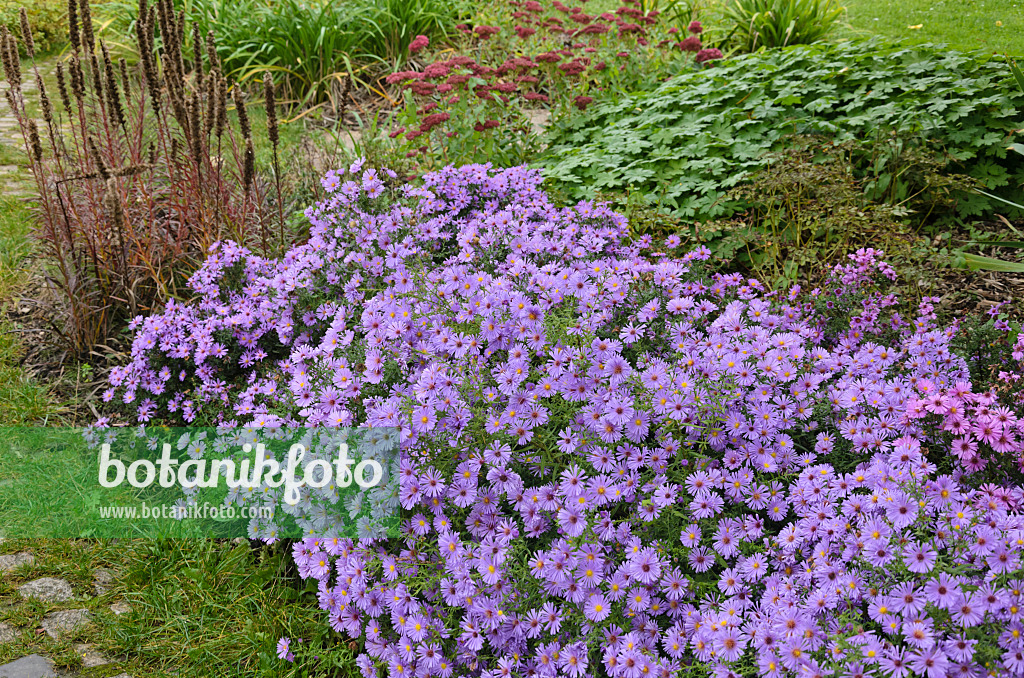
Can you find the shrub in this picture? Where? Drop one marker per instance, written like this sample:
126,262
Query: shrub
686,144
48,19
807,208
614,465
132,180
780,23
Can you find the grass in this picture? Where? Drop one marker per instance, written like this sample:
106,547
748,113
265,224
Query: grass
197,607
205,607
995,26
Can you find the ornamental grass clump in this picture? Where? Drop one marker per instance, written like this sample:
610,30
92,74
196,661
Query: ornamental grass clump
137,168
613,464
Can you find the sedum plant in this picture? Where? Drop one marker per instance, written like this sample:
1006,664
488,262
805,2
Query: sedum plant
613,464
480,105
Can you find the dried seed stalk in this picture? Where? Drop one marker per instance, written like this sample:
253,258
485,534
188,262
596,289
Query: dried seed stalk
77,78
74,33
268,93
112,90
211,51
248,165
144,32
44,99
10,59
26,34
243,115
222,105
33,140
97,74
94,151
211,103
88,37
126,83
195,129
62,88
197,56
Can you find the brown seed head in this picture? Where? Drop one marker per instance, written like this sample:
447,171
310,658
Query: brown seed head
222,104
211,104
268,93
112,90
243,115
197,55
211,50
144,32
74,32
248,165
26,34
195,116
33,141
9,95
62,88
126,82
44,99
94,151
77,78
11,60
88,37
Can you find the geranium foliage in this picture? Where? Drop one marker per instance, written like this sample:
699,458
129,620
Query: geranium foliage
615,464
685,144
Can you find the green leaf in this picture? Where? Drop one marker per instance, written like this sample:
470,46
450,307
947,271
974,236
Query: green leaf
998,243
1004,200
976,262
1017,75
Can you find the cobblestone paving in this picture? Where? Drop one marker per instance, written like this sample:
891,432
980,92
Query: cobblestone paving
15,180
72,622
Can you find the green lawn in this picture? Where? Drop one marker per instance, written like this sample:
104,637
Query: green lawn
991,25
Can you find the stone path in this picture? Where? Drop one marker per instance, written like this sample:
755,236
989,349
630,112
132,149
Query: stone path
72,622
16,181
47,589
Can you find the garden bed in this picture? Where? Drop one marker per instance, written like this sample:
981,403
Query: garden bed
684,341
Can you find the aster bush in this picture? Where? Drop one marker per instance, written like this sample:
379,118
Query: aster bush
613,463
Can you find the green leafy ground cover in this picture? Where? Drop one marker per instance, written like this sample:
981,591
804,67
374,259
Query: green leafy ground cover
686,144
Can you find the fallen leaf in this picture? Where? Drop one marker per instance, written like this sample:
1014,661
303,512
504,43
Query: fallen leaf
914,28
